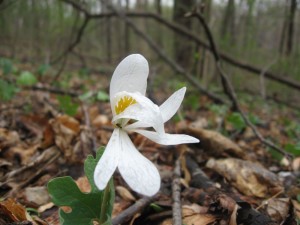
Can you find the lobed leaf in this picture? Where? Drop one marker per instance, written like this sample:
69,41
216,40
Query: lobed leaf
85,207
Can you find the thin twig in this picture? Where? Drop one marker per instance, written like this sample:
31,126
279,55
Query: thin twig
262,77
76,41
89,127
230,90
53,90
176,193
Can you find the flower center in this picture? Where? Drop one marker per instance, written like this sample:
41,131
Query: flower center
123,103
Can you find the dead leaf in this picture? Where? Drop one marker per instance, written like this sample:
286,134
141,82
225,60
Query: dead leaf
296,164
8,138
278,208
296,205
248,177
216,143
48,137
100,120
125,194
22,153
14,210
234,215
193,215
199,219
189,210
66,129
37,195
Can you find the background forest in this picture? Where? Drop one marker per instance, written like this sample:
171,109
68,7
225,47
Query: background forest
257,39
240,62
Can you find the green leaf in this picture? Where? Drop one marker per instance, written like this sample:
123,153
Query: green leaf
192,101
236,120
87,95
6,65
26,78
67,105
7,90
275,154
102,96
293,148
86,207
156,207
43,69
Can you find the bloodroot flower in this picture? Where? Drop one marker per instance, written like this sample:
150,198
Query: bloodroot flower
133,111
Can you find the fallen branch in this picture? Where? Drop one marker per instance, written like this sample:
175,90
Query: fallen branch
128,213
229,90
206,193
53,90
177,217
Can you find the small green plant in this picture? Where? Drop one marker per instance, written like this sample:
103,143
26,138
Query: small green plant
7,90
86,207
294,149
237,121
129,104
26,78
102,96
6,66
67,105
42,69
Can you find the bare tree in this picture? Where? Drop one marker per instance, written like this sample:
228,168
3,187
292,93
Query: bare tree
228,25
183,49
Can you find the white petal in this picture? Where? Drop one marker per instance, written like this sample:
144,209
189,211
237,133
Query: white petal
109,161
167,109
130,75
138,172
144,111
172,104
137,125
168,139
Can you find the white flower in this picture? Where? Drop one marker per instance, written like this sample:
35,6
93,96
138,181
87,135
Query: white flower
132,111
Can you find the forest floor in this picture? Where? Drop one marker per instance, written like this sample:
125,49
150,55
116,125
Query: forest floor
230,177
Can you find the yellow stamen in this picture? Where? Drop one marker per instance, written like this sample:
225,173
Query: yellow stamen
123,103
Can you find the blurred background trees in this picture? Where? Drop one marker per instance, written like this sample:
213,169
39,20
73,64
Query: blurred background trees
89,35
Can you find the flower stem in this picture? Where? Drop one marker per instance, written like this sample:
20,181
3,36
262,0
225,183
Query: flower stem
105,204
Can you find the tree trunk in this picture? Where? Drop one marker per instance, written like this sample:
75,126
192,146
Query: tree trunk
283,32
158,7
183,49
228,25
290,32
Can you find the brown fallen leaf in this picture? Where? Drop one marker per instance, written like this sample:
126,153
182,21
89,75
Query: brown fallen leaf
14,210
100,120
296,205
66,129
217,144
278,209
37,195
249,178
8,138
21,152
125,194
192,216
